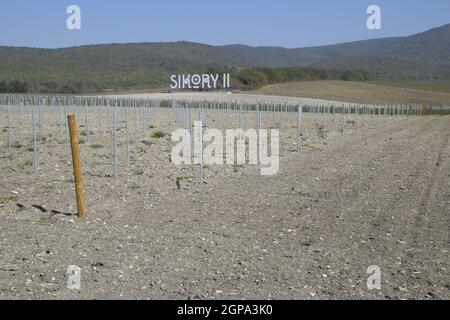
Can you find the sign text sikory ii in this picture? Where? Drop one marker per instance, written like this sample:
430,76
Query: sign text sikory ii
200,81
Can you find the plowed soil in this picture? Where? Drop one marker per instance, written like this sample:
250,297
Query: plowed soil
379,196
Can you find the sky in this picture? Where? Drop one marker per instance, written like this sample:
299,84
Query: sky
287,23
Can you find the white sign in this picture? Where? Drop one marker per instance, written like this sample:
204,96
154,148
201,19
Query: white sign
200,81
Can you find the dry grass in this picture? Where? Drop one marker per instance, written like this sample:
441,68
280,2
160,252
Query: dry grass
427,85
358,92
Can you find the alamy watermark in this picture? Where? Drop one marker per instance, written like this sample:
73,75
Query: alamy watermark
374,20
73,277
235,147
73,22
374,279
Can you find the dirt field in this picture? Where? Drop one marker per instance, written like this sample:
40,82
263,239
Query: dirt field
363,92
379,196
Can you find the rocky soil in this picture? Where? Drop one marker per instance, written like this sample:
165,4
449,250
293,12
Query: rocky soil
377,196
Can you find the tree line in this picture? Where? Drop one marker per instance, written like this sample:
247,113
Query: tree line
243,79
258,77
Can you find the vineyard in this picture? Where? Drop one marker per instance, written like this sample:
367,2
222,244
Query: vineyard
115,128
343,167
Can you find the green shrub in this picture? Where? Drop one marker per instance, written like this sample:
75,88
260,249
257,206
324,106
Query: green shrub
158,134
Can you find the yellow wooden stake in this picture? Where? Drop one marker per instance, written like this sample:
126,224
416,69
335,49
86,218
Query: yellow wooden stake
76,165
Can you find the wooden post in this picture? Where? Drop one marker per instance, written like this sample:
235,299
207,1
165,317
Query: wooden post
76,165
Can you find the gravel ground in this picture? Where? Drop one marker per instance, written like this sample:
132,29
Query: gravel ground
378,197
228,96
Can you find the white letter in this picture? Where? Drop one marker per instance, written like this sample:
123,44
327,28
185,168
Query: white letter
234,138
226,80
215,79
205,81
237,138
196,80
374,281
269,165
73,278
252,137
74,20
183,147
215,147
174,83
374,21
187,81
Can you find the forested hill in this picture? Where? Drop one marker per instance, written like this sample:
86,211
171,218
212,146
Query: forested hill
144,65
424,55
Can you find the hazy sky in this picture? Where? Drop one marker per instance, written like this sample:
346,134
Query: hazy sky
288,23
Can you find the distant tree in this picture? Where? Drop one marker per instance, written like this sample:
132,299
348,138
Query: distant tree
252,78
14,86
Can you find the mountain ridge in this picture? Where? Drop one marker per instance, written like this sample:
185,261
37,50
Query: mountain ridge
149,64
408,50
